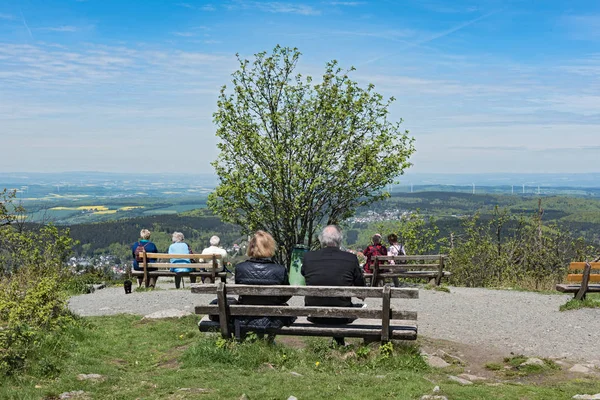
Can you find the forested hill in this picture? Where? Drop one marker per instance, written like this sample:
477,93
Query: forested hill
581,216
197,226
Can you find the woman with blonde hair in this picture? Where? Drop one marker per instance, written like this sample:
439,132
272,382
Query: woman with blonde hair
261,269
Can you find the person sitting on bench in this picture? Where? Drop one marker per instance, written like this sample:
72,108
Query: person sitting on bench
331,266
261,269
179,247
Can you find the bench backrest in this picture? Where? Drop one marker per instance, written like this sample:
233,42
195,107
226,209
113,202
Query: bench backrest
208,260
575,272
415,262
385,313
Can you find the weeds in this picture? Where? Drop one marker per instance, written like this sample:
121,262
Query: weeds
592,300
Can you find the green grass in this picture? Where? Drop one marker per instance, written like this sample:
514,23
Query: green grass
170,359
592,300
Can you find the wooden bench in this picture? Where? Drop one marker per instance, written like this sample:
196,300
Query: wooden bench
372,323
430,267
163,267
579,278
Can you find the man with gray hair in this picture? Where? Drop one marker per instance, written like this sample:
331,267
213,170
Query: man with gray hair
331,266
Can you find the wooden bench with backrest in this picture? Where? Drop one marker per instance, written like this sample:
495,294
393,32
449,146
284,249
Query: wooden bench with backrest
373,323
579,278
430,267
208,262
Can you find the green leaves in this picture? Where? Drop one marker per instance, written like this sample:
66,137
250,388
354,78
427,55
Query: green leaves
296,155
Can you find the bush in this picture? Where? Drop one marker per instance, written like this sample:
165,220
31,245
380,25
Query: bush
33,303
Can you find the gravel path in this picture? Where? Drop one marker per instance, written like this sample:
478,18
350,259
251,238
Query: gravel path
507,321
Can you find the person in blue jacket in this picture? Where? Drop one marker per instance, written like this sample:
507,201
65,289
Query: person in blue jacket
145,243
179,247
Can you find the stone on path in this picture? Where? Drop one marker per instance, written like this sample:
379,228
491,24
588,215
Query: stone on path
472,378
580,368
244,397
170,313
436,362
459,380
534,361
587,396
292,398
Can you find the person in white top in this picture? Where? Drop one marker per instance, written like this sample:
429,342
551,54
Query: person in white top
395,249
215,249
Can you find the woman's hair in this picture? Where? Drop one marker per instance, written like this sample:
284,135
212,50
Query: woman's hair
178,237
392,238
376,238
261,245
145,234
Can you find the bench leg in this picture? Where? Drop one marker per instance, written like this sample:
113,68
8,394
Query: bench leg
177,281
192,279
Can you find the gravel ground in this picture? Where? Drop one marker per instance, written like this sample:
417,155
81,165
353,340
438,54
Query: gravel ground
506,321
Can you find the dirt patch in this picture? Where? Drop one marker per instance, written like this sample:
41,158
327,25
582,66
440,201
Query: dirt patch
472,359
292,341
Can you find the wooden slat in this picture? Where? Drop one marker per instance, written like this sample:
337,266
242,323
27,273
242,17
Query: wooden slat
581,266
315,291
403,330
409,266
283,311
169,273
181,265
565,288
166,256
413,274
425,257
579,277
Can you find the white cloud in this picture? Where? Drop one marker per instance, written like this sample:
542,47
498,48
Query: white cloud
183,34
63,28
276,7
7,17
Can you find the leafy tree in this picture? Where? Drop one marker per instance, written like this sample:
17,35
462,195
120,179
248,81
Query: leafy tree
295,154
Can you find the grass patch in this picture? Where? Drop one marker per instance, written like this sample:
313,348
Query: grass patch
592,300
441,288
170,359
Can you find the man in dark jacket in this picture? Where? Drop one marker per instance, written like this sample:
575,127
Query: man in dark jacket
331,266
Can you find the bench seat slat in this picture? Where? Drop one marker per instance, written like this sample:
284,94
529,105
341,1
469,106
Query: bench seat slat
566,288
279,311
322,291
402,330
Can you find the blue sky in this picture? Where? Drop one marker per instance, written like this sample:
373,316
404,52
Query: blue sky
130,86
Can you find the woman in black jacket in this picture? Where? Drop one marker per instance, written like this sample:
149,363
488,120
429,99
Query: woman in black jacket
260,269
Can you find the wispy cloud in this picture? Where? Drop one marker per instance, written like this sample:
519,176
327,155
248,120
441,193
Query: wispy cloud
183,34
25,24
7,17
346,3
206,7
435,36
63,28
276,7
